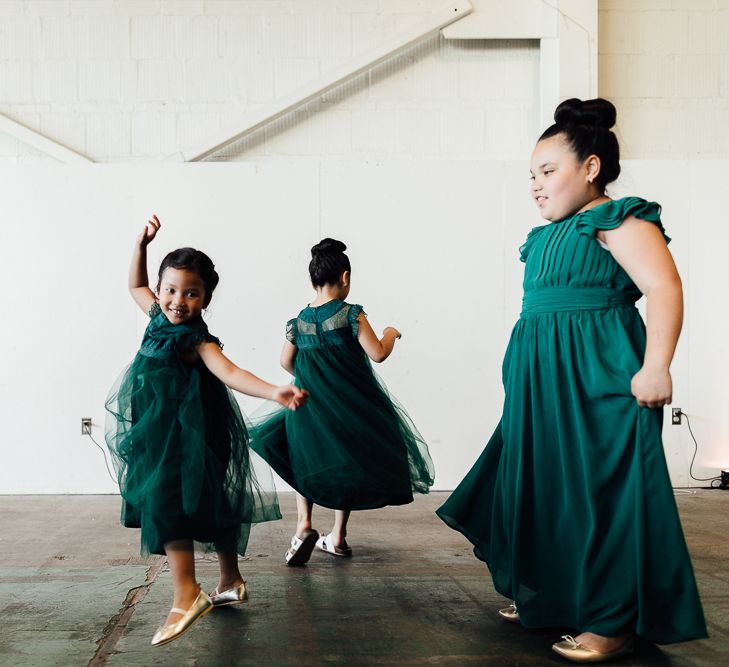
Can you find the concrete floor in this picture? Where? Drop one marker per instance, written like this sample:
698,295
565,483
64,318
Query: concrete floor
74,591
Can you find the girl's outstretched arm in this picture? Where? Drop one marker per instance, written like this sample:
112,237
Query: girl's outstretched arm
288,354
138,278
377,349
245,382
639,247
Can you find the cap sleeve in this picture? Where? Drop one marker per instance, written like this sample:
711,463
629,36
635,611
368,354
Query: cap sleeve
355,310
209,338
154,310
531,237
199,334
611,215
291,331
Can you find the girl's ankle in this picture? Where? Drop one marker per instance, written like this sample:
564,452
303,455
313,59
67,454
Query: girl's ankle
303,527
339,540
187,592
227,584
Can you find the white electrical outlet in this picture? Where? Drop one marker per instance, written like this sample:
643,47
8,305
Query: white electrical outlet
85,425
676,415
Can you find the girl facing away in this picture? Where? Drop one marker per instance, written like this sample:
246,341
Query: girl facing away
179,441
351,447
570,505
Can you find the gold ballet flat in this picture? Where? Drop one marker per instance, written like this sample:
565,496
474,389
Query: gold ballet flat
576,652
236,595
167,633
510,614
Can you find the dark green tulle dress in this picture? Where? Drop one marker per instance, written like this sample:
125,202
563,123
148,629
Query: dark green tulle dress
180,447
351,446
570,504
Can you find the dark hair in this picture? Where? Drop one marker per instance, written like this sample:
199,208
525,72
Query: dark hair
328,262
586,126
193,260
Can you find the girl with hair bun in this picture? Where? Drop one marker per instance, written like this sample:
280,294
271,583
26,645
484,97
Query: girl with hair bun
570,504
179,441
352,447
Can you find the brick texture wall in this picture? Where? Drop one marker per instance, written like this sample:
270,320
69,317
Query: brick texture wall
133,80
665,63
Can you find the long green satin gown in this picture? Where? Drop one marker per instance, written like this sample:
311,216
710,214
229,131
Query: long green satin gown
570,504
179,444
352,446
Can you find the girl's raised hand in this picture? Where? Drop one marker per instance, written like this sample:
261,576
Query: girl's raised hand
150,230
290,396
652,388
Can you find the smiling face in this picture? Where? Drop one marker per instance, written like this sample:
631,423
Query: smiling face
181,295
561,184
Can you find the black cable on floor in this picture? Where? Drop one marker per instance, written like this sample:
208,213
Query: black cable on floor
693,458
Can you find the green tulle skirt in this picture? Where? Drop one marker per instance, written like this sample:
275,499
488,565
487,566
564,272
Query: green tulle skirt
180,449
351,446
570,504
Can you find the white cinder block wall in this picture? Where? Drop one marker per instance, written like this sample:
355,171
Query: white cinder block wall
124,80
665,64
136,80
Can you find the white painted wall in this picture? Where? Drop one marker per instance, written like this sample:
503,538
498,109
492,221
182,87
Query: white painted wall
665,63
427,149
131,80
434,251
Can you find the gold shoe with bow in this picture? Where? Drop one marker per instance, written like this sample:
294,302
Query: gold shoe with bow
167,633
235,595
572,650
510,614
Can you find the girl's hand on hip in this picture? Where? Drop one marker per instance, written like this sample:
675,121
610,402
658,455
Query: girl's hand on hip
290,396
394,331
150,231
652,388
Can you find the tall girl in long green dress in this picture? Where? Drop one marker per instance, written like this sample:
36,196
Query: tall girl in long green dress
179,441
351,447
570,504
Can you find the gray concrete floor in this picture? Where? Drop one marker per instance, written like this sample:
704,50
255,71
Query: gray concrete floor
74,591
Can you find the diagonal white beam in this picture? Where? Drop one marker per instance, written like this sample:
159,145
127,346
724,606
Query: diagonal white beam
439,19
41,143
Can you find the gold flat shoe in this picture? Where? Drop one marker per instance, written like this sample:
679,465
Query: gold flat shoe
235,595
576,652
510,614
167,633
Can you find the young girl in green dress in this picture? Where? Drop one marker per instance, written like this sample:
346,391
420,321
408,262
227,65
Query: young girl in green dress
570,504
178,439
352,447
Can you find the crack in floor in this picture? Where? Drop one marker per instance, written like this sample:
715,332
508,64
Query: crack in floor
117,624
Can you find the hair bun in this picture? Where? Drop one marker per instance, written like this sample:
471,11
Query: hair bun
598,113
327,247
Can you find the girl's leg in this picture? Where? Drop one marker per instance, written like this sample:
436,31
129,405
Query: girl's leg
181,557
304,507
339,532
230,576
